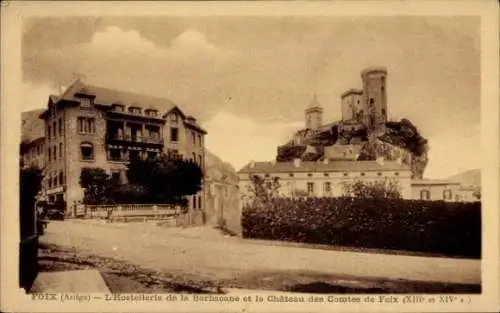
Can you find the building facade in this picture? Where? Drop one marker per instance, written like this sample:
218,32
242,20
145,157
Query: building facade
440,189
327,178
90,126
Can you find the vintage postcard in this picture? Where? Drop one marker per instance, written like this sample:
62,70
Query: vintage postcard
239,156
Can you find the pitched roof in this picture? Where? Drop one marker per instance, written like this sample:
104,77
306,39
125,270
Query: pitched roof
108,96
332,166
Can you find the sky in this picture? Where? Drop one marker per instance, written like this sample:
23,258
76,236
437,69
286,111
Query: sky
248,79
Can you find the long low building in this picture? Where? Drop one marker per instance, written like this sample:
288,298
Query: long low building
329,179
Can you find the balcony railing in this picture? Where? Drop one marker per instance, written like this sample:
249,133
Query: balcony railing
133,138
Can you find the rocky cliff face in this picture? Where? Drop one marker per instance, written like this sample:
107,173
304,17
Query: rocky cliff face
399,141
218,170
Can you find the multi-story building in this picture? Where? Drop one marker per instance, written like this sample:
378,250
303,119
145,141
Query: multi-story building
90,126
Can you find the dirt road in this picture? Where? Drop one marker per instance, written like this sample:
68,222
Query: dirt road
206,253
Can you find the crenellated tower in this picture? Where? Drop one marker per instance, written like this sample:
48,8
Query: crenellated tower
375,98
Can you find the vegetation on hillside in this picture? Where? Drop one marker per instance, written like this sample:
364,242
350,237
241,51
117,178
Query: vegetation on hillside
402,135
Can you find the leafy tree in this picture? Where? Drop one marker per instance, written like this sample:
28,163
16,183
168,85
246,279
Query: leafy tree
168,178
380,189
263,188
95,181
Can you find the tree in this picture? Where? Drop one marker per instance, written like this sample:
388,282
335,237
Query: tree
95,181
168,178
263,188
380,189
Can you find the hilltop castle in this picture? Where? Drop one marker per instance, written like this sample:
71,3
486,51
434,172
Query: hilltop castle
364,112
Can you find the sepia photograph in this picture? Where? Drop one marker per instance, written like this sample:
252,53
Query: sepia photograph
301,157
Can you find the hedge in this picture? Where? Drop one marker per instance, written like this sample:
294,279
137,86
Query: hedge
449,228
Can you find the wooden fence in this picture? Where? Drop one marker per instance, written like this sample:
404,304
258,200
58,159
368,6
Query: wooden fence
129,212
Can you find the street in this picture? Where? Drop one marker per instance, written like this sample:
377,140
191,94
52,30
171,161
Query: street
204,252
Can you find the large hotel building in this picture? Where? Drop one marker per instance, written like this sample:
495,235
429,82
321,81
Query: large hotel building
90,126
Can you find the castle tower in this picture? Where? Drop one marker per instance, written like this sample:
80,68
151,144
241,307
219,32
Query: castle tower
375,97
352,107
314,114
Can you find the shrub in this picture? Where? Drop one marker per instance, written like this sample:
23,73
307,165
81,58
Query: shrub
380,189
396,224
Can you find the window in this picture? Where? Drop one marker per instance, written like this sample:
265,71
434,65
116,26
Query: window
194,157
397,173
86,125
199,140
60,127
346,174
363,174
174,118
193,136
425,194
151,112
54,179
310,189
326,174
383,112
199,202
115,154
50,154
54,152
61,178
118,108
54,129
84,102
372,101
60,149
379,174
174,134
200,160
309,174
447,194
49,132
267,175
87,151
134,110
291,175
49,180
328,188
194,202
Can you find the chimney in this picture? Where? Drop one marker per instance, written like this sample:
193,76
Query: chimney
273,162
252,164
296,162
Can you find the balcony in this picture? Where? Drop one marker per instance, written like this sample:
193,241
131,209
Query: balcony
135,139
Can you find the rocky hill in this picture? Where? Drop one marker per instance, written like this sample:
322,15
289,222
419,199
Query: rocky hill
219,170
400,141
468,178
